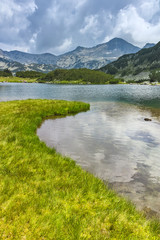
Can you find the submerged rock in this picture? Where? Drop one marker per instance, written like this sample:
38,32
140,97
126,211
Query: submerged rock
147,119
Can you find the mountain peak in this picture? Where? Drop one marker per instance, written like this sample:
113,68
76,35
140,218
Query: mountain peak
121,44
79,48
148,45
121,41
136,66
116,39
81,57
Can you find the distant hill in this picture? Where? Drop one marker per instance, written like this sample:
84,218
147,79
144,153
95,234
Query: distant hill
79,76
27,58
136,66
148,45
91,58
16,66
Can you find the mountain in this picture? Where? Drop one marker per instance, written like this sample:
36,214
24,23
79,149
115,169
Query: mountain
27,58
81,57
135,66
115,48
148,45
97,56
16,66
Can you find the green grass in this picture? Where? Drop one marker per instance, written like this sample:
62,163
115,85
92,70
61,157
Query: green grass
44,195
64,82
17,79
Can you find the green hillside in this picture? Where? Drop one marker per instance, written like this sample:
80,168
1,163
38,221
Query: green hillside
29,74
5,73
81,76
145,61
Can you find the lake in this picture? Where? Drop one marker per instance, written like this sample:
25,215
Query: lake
112,140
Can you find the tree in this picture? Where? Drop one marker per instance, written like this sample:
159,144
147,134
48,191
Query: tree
6,73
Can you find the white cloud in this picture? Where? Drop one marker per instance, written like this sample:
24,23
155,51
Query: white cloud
14,20
79,3
62,25
12,12
10,47
90,23
135,24
92,27
65,45
148,9
52,12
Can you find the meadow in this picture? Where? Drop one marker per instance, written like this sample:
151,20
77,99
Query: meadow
44,195
17,79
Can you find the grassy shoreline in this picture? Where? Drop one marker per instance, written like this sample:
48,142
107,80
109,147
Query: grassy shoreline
17,80
44,195
76,82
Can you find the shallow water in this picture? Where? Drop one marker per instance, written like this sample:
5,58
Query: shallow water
113,141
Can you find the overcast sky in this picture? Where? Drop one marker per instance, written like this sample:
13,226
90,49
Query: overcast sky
58,26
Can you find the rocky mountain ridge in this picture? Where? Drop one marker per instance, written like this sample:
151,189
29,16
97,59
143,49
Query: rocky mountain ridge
136,66
148,45
91,58
14,66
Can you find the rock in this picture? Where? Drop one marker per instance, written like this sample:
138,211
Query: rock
149,212
147,119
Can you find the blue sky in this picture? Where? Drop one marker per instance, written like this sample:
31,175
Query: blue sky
58,26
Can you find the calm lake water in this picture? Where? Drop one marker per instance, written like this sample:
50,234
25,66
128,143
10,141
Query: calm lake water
112,140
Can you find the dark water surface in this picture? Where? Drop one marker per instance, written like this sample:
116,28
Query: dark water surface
112,140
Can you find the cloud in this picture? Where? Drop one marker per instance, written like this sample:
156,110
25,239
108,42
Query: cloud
90,23
138,24
58,26
14,22
65,45
91,27
148,9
